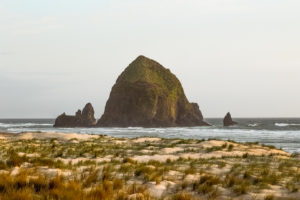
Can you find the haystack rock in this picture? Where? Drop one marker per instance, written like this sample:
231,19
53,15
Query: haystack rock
148,95
81,119
228,120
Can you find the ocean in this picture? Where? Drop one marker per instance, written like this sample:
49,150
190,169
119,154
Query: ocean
282,133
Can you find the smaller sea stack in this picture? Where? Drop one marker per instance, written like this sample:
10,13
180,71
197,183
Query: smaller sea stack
228,120
81,119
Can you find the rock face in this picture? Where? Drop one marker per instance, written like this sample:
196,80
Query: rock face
228,120
148,95
81,119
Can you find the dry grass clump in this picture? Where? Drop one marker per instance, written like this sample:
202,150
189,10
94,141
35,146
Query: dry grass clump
91,178
182,196
14,159
292,186
3,165
22,194
207,185
269,197
230,147
24,187
191,169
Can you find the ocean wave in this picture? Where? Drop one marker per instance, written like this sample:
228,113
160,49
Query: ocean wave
8,125
287,139
253,125
285,124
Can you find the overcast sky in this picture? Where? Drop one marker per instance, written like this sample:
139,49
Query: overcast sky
241,56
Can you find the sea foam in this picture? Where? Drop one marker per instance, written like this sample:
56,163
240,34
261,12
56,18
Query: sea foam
285,124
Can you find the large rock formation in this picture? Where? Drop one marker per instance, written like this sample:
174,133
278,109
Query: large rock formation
228,120
148,95
81,119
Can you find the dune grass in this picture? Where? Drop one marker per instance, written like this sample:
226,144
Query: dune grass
108,168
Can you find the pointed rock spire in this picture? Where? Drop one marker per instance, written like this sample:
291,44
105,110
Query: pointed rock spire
81,119
228,120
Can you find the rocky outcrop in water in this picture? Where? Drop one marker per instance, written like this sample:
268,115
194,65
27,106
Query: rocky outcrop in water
81,119
147,94
228,120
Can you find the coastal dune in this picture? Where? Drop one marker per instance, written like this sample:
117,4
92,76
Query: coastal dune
54,135
104,167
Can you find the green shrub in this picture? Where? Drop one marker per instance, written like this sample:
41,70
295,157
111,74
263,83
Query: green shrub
128,160
190,170
230,147
14,159
224,145
206,184
240,189
145,171
221,164
291,186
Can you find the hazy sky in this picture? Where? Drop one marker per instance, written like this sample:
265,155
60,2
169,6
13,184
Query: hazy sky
241,56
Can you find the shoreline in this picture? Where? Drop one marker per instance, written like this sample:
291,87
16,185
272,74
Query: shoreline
87,136
266,132
70,135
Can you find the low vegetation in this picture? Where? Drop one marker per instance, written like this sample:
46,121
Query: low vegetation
108,168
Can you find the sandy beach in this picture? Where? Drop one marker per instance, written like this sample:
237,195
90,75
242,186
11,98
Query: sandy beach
104,167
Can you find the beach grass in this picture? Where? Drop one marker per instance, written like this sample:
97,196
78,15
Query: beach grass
102,167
